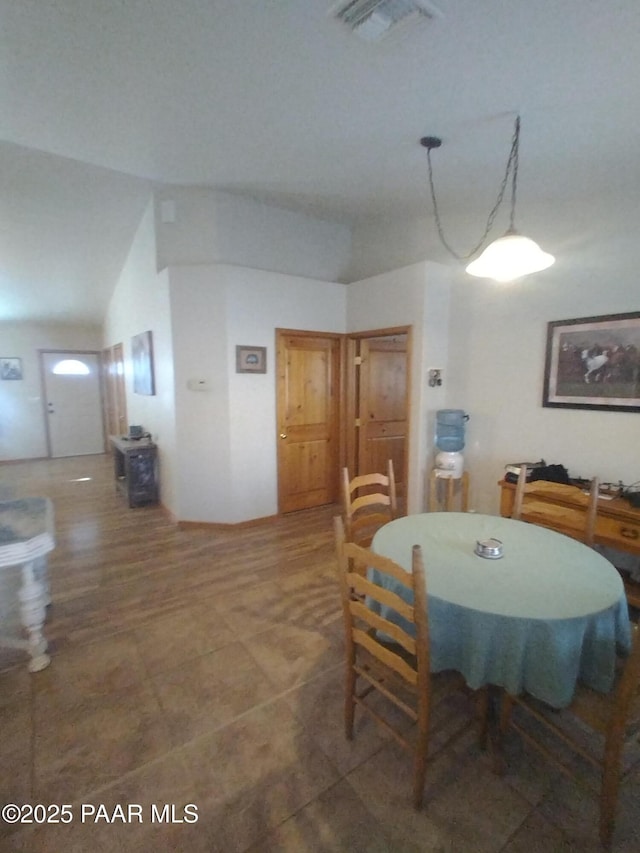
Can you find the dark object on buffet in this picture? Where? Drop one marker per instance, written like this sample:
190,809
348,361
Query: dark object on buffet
538,471
632,494
551,473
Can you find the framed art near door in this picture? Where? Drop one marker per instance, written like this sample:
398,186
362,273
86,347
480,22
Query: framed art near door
142,356
251,359
10,368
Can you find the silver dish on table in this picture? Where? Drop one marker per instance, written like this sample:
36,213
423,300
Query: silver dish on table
490,549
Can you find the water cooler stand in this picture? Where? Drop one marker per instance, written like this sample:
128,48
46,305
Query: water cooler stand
449,461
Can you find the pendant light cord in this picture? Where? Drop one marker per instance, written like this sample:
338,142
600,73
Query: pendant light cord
511,169
513,159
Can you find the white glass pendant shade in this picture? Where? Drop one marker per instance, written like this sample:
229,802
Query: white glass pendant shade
510,257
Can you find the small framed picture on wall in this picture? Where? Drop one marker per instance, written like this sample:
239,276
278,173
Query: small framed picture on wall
10,368
251,359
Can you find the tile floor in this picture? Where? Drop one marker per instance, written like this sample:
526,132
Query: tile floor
205,667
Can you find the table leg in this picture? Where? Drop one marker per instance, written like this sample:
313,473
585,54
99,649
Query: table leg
41,572
33,601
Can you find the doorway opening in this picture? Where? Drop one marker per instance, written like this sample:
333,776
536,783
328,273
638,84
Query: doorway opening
377,403
72,397
308,366
115,397
341,400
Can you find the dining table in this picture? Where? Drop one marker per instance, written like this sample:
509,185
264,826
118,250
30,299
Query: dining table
26,537
544,614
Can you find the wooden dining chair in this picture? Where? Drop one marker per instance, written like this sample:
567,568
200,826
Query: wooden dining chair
383,658
541,502
368,502
614,719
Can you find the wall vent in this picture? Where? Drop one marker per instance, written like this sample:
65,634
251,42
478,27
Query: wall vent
372,20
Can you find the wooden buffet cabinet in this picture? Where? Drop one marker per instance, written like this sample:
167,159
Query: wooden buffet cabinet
617,526
617,522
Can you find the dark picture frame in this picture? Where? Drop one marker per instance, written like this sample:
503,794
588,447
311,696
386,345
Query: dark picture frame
142,357
251,359
10,367
593,363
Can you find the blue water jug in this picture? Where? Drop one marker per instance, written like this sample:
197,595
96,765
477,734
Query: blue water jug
450,429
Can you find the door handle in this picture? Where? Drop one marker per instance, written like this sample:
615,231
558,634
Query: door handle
50,408
283,435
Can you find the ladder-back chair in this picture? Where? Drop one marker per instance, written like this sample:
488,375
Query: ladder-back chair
614,718
541,502
368,502
390,658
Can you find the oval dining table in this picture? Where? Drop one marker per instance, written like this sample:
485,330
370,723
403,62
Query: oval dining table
549,613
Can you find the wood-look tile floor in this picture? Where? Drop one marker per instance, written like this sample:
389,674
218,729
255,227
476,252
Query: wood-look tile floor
205,667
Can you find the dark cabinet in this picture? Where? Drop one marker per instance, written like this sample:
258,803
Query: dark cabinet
136,469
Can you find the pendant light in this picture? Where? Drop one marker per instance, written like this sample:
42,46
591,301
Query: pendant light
511,256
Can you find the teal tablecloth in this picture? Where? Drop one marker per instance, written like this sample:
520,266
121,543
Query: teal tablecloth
550,612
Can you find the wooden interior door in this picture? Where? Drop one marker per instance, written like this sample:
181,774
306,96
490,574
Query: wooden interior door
308,410
115,393
381,404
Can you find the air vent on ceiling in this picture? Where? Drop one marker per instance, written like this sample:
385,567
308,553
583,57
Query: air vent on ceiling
372,20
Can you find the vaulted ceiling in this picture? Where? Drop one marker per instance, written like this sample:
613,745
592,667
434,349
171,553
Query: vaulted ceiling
277,100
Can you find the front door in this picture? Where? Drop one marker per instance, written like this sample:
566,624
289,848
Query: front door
73,402
308,401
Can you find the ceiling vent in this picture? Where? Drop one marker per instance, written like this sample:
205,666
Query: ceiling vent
372,20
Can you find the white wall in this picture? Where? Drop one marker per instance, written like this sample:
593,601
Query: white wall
218,227
218,447
140,303
417,295
199,329
227,440
497,352
22,420
496,341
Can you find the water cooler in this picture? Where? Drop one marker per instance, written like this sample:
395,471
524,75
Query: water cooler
449,482
450,426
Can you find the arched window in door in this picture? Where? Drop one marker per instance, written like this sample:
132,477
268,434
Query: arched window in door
71,367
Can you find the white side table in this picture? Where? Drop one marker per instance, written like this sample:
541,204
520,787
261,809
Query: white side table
26,536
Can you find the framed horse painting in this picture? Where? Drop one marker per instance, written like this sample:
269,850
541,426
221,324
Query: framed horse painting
593,363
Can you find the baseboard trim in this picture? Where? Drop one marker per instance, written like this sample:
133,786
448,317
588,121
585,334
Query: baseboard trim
216,525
